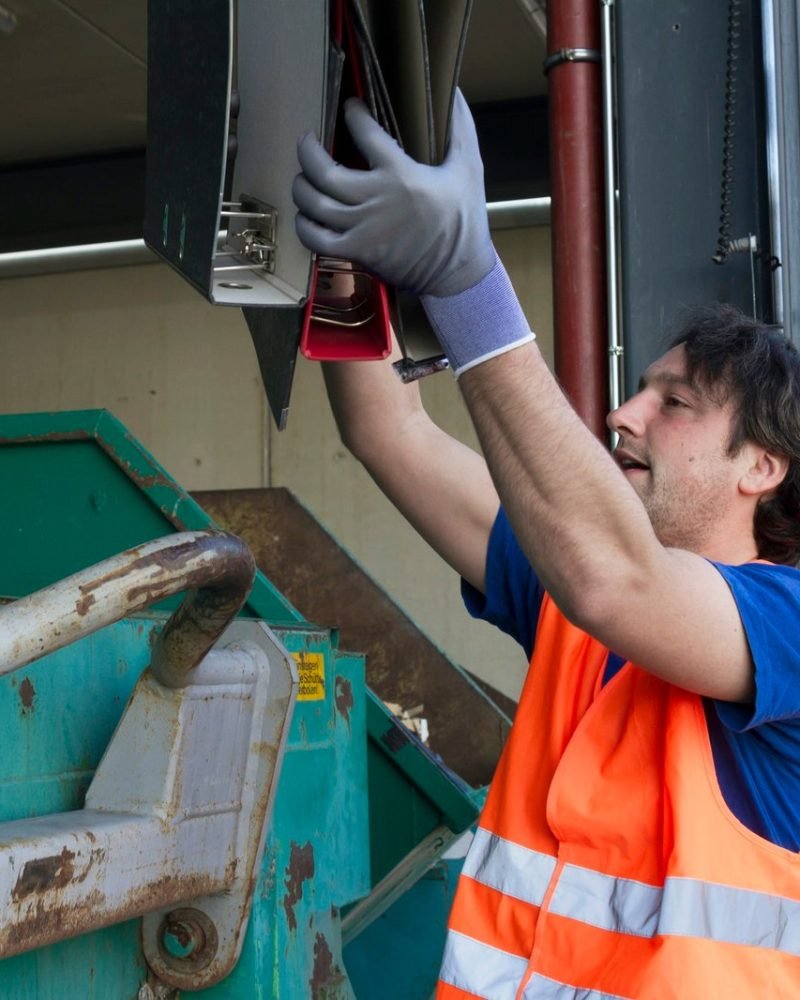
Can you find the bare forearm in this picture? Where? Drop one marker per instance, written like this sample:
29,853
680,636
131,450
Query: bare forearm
574,515
439,484
369,402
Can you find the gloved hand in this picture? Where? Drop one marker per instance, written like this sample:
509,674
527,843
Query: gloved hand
420,228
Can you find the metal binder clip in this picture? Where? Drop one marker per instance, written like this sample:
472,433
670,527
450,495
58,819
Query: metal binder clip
348,315
251,234
343,294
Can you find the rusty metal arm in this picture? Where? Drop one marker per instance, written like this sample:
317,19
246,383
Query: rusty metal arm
216,568
176,812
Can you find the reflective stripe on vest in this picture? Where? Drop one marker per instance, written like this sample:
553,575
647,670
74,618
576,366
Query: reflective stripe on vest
542,988
480,969
684,907
508,867
484,971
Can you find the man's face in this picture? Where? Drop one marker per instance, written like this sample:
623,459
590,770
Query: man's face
673,441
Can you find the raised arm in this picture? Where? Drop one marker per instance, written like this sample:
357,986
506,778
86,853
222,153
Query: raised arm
582,526
440,485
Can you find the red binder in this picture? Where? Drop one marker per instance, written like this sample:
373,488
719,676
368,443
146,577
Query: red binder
347,315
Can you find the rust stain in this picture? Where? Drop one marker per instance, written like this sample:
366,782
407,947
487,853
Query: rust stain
76,435
217,588
174,558
42,919
82,606
184,934
98,856
44,874
149,481
196,933
43,925
299,869
230,871
344,697
27,692
326,977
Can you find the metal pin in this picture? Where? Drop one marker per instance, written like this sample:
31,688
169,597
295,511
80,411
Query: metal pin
229,214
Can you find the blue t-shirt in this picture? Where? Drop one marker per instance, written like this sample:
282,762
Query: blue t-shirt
756,747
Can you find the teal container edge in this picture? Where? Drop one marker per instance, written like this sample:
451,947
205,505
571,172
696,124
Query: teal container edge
32,437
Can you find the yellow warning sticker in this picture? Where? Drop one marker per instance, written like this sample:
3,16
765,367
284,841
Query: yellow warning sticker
311,671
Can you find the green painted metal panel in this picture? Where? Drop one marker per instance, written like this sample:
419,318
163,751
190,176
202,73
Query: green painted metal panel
80,488
106,965
454,798
411,791
395,935
58,714
400,817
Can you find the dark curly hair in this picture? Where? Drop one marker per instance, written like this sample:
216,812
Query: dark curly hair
733,356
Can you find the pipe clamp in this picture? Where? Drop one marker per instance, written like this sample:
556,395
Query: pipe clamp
570,56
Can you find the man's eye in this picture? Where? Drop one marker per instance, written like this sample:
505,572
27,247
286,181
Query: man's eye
674,401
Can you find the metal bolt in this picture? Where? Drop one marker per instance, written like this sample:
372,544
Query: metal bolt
187,939
182,938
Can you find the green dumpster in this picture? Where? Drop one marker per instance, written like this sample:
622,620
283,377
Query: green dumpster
364,811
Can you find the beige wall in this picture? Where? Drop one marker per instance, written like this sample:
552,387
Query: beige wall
182,376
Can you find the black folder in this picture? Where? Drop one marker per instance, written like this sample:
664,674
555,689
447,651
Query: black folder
231,85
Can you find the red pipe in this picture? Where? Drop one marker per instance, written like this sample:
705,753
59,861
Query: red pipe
577,210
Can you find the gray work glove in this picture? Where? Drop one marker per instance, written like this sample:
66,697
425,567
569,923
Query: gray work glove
420,228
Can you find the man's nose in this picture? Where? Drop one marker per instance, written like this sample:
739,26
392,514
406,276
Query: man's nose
628,419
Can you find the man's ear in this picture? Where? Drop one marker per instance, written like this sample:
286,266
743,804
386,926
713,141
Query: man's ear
765,471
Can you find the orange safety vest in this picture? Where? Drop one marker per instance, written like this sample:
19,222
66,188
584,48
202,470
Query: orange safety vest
607,864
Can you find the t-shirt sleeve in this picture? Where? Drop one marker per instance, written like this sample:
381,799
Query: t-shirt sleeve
513,591
768,599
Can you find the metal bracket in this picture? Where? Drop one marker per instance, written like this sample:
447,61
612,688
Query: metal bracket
744,244
220,805
412,371
252,234
174,820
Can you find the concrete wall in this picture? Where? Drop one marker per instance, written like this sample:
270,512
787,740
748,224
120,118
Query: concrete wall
182,376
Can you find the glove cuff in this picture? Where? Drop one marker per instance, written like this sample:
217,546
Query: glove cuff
480,323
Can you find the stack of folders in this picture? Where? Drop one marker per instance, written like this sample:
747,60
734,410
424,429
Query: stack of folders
402,58
231,84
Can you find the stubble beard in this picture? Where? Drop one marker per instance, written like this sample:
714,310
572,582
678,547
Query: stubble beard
686,515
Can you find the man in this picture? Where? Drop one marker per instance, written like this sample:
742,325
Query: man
640,838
